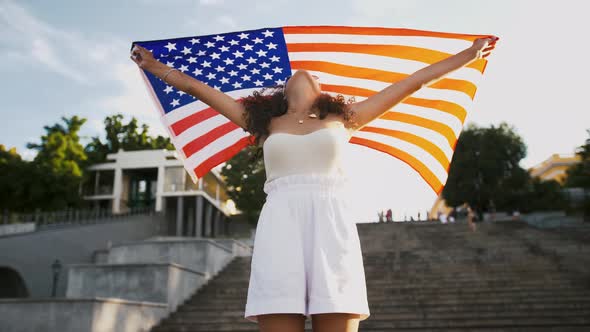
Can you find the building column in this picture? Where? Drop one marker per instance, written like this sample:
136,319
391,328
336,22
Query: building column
117,189
217,223
208,219
179,214
159,188
198,216
96,182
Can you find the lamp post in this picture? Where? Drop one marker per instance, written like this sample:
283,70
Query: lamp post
56,267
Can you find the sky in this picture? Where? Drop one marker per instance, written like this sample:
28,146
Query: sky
65,58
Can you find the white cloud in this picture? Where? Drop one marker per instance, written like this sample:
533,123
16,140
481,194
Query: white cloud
227,21
210,2
39,42
133,98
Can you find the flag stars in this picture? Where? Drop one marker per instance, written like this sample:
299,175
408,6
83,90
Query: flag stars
258,83
194,41
224,49
180,92
175,102
242,66
268,33
217,87
245,78
233,42
229,61
218,38
183,68
261,53
170,64
271,46
206,64
211,76
185,50
257,40
209,44
192,59
264,65
170,46
251,60
215,55
168,89
233,73
237,85
277,70
197,72
280,82
275,58
224,80
267,76
248,47
201,53
238,54
243,35
219,68
255,71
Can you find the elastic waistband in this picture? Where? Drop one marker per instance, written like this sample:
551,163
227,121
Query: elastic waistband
317,181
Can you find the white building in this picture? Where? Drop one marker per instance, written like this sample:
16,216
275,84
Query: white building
157,179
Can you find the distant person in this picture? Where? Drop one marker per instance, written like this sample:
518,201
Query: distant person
381,215
452,215
389,215
471,217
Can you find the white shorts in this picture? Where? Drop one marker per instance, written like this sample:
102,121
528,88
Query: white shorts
307,255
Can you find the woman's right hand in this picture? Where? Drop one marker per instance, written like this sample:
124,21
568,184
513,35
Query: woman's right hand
142,57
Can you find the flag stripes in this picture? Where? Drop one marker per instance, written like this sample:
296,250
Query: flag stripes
422,130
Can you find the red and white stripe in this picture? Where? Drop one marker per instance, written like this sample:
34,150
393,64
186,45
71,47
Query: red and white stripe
422,130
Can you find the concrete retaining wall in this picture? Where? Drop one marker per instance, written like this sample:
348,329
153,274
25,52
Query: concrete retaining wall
165,283
204,255
31,254
76,315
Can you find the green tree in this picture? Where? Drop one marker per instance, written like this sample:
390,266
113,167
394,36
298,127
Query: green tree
485,169
578,175
52,179
12,177
244,176
129,137
60,147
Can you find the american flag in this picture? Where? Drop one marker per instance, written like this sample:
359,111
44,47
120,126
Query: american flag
422,131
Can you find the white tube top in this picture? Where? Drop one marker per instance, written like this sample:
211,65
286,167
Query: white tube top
317,152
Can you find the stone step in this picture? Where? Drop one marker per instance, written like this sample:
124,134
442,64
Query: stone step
433,277
394,279
424,309
441,324
511,291
238,304
195,318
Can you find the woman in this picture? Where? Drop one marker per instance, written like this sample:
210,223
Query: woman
307,257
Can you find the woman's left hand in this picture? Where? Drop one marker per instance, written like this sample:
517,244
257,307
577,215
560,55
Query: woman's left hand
485,45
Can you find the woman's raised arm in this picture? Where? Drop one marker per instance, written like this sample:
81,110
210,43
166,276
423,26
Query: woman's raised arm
373,107
221,102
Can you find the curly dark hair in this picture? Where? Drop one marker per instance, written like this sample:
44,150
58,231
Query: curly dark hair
261,107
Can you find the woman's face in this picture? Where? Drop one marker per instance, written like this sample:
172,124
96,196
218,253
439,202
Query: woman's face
302,85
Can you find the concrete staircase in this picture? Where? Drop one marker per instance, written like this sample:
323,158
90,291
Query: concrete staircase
428,276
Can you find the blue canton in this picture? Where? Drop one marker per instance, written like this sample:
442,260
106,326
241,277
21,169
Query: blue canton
226,62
